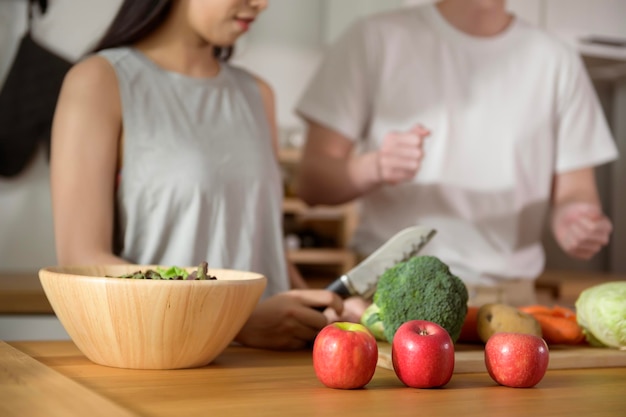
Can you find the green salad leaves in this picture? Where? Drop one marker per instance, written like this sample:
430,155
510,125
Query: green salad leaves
172,273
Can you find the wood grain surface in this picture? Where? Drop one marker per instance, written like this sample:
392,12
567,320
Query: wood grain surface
252,382
150,324
471,358
29,388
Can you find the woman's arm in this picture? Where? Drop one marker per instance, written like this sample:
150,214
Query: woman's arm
85,147
295,278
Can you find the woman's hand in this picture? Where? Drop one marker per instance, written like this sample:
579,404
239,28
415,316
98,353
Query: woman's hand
288,320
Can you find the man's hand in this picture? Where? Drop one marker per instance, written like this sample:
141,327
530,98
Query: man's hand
400,156
581,229
353,308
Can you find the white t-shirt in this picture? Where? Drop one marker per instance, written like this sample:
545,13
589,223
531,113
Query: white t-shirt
506,113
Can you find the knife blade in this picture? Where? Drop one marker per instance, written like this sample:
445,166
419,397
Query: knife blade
362,279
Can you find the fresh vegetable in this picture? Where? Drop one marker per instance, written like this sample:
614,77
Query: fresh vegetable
601,312
371,320
559,330
172,273
495,318
558,324
536,309
421,288
469,330
560,311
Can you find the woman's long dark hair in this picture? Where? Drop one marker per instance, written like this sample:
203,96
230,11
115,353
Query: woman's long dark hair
136,19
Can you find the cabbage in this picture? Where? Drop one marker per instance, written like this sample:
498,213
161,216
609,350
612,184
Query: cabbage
601,312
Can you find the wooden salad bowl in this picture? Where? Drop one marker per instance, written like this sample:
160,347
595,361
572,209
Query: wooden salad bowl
150,324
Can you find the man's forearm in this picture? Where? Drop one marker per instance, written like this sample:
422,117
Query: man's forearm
327,180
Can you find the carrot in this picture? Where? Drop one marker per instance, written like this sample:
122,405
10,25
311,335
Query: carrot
559,330
564,312
536,309
555,310
469,330
558,323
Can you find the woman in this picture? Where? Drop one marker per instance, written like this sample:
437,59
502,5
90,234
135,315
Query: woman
163,153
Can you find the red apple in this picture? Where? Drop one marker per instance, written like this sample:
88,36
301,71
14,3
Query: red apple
516,360
422,354
345,355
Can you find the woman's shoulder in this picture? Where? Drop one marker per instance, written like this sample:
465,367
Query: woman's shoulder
264,86
90,87
238,70
93,72
249,76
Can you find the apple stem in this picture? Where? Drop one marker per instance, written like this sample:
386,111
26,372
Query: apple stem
423,332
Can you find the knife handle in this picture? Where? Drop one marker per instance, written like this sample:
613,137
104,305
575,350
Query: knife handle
339,287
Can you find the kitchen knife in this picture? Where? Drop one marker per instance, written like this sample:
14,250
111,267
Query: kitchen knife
362,279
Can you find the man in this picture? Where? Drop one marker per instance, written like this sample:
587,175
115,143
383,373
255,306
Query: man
461,117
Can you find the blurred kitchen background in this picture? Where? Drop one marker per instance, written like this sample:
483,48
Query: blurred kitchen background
284,46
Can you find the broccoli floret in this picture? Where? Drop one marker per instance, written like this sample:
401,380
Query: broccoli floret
421,288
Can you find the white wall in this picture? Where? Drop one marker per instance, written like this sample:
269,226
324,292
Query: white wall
340,13
585,17
35,327
69,28
284,47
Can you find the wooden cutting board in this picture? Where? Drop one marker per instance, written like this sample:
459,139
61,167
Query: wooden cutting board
470,358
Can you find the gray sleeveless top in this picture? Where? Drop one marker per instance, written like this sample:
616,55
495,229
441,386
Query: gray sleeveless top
200,180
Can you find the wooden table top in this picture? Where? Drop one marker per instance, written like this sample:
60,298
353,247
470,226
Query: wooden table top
55,379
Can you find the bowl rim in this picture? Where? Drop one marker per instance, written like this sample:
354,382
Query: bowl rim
71,271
